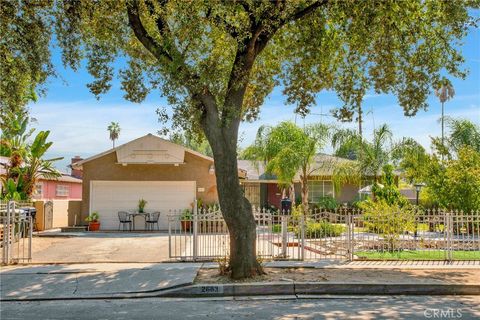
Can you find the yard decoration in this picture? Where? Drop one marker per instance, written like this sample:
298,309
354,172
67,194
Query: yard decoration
141,205
93,223
186,220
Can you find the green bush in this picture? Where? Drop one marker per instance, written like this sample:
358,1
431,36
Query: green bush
389,220
321,229
327,202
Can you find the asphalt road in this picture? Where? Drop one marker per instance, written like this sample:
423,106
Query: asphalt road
344,307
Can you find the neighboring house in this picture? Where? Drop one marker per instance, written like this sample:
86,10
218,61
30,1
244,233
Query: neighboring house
65,187
262,188
168,176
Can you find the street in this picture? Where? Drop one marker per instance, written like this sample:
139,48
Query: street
339,307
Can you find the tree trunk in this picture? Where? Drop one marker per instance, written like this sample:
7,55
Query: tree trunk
236,209
304,185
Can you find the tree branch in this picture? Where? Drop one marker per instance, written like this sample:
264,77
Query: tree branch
142,35
307,10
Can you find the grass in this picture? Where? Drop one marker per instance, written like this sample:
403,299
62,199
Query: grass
418,255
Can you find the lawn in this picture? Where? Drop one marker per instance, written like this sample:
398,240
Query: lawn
418,255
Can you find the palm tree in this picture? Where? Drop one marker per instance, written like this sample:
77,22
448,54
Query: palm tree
114,129
444,92
36,166
374,155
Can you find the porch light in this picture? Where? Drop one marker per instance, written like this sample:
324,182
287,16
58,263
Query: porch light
211,170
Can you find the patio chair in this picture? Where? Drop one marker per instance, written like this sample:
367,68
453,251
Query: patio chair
124,219
152,218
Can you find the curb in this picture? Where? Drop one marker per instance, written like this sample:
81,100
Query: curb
295,289
318,288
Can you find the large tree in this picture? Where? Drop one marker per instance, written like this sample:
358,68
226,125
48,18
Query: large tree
216,61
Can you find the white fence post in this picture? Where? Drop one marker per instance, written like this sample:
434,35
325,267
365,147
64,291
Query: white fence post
349,236
195,230
302,237
450,235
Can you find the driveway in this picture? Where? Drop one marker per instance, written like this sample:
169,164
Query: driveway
100,247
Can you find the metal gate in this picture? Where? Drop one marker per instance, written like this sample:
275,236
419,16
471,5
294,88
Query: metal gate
16,228
342,234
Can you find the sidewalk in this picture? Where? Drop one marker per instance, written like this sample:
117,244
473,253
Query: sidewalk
99,280
136,280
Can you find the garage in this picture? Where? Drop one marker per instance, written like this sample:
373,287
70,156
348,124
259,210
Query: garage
168,176
109,197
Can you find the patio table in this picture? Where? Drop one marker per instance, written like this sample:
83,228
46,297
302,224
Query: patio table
134,214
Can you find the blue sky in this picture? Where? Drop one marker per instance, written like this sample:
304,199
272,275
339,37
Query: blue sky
78,121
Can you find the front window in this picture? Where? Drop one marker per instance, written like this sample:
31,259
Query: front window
319,189
62,190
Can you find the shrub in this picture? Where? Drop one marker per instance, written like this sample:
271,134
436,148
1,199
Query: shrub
327,202
320,229
388,220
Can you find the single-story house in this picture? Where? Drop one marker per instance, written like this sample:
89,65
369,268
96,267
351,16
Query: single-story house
65,187
262,188
168,176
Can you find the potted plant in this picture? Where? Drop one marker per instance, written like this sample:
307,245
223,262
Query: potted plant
93,223
141,205
186,220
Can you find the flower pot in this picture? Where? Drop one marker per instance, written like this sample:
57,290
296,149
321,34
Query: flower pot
94,226
186,225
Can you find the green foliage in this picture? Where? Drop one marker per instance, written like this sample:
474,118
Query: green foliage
26,157
24,51
322,229
411,158
199,144
93,217
12,190
371,156
327,202
389,193
287,150
186,215
455,184
389,220
141,205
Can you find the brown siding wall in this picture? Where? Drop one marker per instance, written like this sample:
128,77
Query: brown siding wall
105,168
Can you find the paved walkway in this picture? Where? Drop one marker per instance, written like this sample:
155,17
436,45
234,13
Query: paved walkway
93,280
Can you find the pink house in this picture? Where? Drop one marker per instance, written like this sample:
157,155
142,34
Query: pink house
65,187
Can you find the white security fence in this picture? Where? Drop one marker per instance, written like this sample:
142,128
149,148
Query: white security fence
16,227
334,234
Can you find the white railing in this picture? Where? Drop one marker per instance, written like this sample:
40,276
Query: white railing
334,234
16,229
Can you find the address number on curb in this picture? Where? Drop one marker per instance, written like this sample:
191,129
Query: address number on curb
211,289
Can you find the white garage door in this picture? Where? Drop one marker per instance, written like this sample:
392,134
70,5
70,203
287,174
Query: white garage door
109,197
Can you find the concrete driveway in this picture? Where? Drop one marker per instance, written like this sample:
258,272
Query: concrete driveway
100,247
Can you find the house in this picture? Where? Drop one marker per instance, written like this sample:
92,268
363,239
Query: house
262,188
65,187
168,176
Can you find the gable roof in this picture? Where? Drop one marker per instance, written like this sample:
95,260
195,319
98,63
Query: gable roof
79,164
